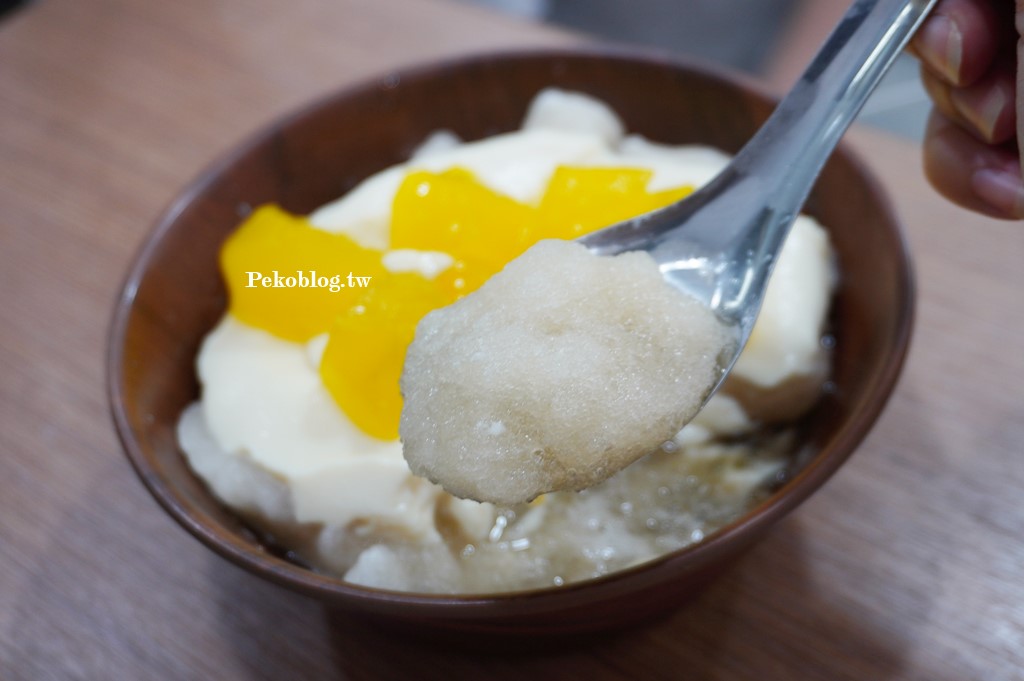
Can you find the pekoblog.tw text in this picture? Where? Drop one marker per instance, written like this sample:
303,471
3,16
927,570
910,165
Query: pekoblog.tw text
308,279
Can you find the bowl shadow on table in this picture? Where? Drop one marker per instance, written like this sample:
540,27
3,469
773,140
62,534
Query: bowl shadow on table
729,629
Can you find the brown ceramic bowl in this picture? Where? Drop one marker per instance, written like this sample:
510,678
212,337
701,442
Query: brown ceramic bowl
174,295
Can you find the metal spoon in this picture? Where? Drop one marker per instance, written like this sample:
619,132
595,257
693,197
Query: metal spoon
720,243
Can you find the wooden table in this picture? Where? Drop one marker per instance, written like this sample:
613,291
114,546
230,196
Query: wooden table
908,565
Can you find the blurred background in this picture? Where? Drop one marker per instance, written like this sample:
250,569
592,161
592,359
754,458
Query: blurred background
771,39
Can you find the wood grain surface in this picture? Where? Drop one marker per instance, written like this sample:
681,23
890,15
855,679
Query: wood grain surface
909,564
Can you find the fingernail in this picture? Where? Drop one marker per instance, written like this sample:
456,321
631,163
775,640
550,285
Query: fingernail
984,115
940,44
1002,190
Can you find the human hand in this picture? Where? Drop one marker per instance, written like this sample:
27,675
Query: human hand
970,68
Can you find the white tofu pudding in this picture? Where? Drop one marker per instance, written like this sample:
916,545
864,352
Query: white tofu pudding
272,443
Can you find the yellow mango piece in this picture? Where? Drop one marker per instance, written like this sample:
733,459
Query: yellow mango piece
580,200
370,326
667,196
273,245
464,277
455,213
366,348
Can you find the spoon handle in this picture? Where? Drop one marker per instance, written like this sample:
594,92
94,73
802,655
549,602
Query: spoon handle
721,242
776,169
805,127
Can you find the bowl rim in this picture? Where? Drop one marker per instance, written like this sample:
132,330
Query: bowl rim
304,580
